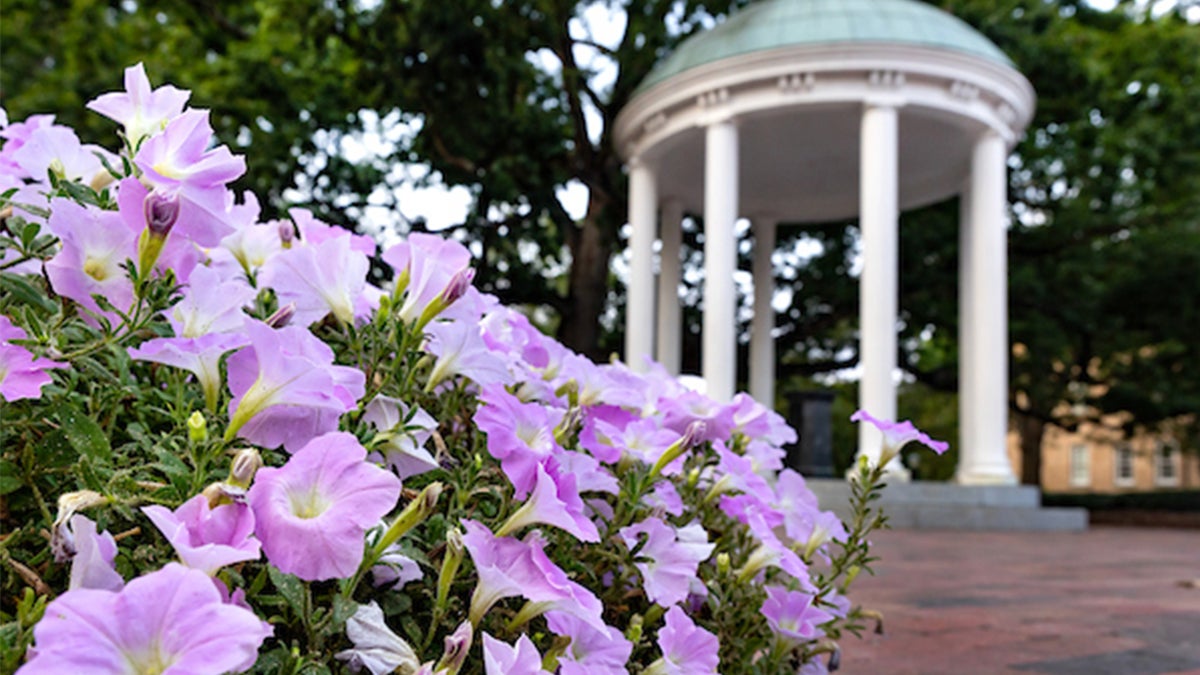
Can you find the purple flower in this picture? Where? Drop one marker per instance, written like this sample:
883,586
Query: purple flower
200,356
57,148
520,435
207,538
211,304
172,618
286,389
425,266
178,162
319,279
403,449
898,434
460,350
520,659
508,567
313,512
554,501
139,109
92,563
376,647
94,245
21,375
591,652
314,232
792,615
687,648
669,558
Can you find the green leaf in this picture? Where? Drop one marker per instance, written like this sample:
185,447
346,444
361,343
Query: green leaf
291,588
24,292
10,478
84,434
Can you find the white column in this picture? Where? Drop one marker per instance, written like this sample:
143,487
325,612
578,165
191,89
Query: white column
670,271
719,358
878,289
762,344
966,322
983,458
639,309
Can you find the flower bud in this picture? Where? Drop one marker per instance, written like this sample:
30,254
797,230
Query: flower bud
161,212
282,316
416,512
450,563
197,427
287,233
457,646
633,632
245,464
692,436
458,286
723,564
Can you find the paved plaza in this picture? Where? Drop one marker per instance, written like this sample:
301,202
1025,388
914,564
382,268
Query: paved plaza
1106,601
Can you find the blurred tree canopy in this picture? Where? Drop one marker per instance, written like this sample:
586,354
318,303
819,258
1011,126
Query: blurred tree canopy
514,100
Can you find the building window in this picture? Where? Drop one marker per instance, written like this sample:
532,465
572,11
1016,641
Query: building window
1166,464
1124,466
1081,466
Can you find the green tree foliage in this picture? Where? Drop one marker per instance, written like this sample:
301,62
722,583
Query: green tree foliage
1105,195
515,100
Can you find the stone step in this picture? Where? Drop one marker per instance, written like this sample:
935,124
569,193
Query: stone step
946,506
924,492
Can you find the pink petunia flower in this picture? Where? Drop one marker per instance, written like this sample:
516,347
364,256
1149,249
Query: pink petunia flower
523,658
94,245
206,538
312,513
94,552
591,652
669,558
520,435
200,356
406,433
179,163
687,648
319,279
286,389
898,434
141,110
425,266
554,501
21,374
211,303
792,615
510,567
376,647
460,350
172,618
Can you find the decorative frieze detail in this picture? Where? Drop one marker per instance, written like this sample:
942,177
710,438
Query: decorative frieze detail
1006,113
654,123
964,91
714,97
797,83
886,79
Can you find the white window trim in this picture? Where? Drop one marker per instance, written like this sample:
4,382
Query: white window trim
1118,479
1159,479
1080,467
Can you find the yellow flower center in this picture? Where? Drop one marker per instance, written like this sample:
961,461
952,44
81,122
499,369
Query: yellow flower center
95,269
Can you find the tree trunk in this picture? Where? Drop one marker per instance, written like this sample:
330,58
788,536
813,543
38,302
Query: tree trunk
591,250
1032,431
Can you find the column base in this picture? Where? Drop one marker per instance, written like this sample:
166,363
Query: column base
986,476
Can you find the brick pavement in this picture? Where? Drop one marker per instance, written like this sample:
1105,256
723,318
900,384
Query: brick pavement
1106,601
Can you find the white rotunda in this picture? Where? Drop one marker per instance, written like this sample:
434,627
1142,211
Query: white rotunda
794,111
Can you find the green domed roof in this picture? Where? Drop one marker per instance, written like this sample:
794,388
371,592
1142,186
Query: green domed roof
771,24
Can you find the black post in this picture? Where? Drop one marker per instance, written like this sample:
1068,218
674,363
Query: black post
811,412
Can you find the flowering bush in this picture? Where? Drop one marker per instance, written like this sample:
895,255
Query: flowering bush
263,462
